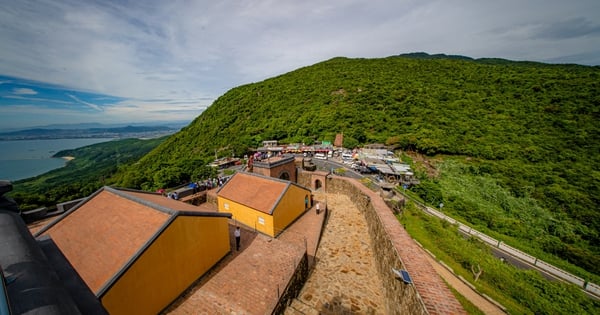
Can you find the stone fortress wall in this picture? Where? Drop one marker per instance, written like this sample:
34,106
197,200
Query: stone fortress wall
394,250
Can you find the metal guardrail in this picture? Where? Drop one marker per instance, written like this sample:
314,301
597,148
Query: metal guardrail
592,288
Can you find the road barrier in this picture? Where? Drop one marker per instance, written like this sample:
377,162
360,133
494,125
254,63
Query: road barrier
589,287
517,253
593,288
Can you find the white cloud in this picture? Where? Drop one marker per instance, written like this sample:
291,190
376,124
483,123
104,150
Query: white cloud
90,105
38,99
24,91
181,51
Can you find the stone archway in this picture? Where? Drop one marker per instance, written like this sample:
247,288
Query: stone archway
318,184
284,175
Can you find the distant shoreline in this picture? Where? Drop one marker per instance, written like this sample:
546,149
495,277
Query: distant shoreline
30,158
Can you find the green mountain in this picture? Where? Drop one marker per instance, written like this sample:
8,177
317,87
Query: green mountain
531,128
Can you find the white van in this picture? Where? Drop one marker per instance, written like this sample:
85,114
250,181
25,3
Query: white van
320,156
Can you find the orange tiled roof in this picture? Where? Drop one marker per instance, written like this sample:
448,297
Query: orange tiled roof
254,191
101,236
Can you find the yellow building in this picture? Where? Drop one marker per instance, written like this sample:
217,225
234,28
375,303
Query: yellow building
265,204
136,251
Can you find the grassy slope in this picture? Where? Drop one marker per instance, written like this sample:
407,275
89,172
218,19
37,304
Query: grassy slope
520,291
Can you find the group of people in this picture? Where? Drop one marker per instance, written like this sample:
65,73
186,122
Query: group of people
198,186
214,182
208,184
173,195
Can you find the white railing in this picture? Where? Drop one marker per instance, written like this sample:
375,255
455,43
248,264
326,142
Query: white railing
560,273
517,253
593,288
557,272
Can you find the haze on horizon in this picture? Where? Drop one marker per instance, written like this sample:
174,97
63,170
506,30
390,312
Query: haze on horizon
72,61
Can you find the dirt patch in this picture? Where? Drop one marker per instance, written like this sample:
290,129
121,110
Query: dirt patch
424,163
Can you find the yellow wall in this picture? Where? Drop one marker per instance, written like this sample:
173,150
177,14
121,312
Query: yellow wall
254,219
290,207
188,248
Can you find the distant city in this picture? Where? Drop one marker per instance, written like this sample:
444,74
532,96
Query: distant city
93,131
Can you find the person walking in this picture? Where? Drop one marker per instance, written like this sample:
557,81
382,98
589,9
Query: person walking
238,235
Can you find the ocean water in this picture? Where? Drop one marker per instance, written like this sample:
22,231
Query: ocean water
22,159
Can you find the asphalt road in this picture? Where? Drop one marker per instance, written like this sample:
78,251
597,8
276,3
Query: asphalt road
332,164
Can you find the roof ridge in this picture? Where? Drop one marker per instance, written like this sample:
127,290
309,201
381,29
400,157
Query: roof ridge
122,192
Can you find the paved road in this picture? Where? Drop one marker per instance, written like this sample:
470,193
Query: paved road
332,164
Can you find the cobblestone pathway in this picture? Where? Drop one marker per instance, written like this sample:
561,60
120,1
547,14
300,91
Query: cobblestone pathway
345,279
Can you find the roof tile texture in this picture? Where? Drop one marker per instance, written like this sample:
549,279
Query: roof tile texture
102,235
253,191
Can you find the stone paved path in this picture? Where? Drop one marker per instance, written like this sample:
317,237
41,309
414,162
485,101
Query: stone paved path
333,289
482,304
345,279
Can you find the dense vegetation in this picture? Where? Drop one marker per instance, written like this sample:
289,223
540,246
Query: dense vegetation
520,291
92,168
511,149
480,199
531,128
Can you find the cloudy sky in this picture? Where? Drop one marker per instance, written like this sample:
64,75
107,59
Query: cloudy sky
123,61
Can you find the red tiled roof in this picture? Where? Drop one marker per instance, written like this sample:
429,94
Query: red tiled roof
104,233
254,191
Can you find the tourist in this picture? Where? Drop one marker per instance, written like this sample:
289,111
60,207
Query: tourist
238,235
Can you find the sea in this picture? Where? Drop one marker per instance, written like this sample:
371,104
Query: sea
21,159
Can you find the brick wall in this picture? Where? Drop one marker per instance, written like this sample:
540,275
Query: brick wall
276,169
394,248
304,178
294,286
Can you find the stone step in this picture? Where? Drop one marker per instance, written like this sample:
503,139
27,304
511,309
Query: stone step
300,308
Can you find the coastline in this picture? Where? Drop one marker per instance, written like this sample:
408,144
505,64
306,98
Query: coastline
30,158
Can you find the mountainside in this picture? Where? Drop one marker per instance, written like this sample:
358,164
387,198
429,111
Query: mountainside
532,127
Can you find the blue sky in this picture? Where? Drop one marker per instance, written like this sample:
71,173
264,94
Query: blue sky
133,61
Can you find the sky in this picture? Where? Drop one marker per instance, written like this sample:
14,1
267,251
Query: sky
79,61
